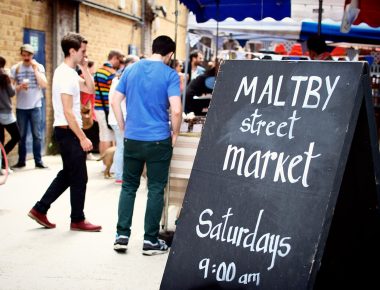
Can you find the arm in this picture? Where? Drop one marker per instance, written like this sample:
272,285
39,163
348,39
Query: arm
87,85
40,76
10,90
176,116
18,87
67,103
117,98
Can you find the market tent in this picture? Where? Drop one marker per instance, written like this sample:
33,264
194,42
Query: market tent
286,29
369,12
331,32
238,9
248,28
256,10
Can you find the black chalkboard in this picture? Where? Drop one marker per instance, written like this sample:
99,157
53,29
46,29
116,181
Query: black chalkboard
282,194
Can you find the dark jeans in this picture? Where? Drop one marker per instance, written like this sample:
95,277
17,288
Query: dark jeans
32,117
73,175
13,131
157,156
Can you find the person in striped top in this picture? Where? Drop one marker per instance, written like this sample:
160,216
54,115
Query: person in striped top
103,79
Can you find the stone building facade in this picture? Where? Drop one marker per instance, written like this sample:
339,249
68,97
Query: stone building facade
128,25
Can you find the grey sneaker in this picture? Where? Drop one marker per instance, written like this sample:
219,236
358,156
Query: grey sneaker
151,249
121,244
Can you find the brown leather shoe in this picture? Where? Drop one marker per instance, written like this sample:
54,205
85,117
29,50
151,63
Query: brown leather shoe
85,226
40,218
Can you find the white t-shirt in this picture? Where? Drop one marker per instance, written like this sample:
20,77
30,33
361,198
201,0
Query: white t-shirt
65,81
111,115
30,98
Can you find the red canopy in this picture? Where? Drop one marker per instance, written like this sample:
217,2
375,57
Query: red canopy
369,12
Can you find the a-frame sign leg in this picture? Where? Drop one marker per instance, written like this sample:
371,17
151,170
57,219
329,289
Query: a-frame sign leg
352,250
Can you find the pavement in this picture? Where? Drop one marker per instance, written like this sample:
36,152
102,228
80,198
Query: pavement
32,257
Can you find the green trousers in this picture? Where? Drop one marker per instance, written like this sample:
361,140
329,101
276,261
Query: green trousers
157,156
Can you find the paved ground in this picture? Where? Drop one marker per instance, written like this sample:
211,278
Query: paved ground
32,257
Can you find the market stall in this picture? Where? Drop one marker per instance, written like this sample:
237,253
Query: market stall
278,28
179,174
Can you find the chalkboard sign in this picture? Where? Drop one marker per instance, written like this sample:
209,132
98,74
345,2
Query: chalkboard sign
288,151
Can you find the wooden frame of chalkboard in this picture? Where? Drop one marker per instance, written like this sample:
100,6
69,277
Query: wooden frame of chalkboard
284,189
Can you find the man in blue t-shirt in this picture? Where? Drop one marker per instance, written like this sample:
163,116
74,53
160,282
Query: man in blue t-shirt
150,87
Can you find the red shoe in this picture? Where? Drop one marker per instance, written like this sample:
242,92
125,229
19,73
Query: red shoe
40,218
85,226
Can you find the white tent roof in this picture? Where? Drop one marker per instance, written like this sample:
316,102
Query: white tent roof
248,28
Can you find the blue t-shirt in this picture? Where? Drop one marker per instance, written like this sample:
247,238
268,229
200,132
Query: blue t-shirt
147,85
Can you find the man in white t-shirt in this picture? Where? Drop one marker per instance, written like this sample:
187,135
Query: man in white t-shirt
68,132
29,79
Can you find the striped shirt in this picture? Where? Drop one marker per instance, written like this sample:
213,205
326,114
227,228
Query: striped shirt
103,79
30,98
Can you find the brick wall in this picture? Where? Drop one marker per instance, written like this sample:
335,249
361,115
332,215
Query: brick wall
166,25
132,7
15,15
105,31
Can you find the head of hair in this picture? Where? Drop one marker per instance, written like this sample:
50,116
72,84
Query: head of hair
194,54
90,64
317,44
163,45
131,59
115,52
173,63
213,70
4,78
72,40
2,62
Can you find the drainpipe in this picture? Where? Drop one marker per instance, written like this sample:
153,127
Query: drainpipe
320,11
77,16
176,27
55,35
142,49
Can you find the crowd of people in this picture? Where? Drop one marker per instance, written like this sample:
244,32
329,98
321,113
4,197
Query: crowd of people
131,103
128,99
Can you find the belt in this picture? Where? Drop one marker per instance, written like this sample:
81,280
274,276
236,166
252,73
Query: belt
63,127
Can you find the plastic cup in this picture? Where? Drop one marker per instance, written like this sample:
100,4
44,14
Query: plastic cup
26,82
